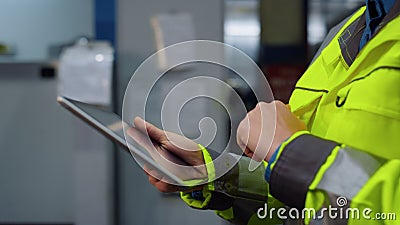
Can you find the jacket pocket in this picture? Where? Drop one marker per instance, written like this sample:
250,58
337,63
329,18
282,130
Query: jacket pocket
304,103
377,92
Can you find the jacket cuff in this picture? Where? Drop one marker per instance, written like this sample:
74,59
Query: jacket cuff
211,199
208,160
298,161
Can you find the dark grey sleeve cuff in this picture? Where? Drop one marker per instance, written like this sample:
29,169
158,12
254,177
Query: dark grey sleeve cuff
237,184
296,168
220,201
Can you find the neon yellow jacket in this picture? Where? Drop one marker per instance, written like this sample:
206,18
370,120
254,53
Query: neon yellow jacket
348,159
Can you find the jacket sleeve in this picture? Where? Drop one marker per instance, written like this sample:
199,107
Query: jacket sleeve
237,195
315,173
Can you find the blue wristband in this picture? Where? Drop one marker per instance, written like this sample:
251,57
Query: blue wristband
198,195
273,158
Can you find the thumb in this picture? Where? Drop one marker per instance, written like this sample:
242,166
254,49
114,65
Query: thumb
152,131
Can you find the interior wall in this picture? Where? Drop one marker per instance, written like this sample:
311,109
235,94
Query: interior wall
36,151
54,169
32,26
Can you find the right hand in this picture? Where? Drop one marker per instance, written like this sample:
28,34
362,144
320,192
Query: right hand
261,133
160,147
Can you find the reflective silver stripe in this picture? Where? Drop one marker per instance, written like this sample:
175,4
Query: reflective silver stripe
323,217
349,172
242,183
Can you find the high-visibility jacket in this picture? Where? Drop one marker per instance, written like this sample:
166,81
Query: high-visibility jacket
348,159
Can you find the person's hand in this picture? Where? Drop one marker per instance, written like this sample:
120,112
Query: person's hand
171,151
164,186
257,135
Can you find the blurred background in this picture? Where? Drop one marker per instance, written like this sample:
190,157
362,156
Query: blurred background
54,169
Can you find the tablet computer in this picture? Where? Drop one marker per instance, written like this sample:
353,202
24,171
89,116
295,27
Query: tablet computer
111,126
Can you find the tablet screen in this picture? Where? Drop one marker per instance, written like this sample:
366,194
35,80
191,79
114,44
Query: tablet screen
111,125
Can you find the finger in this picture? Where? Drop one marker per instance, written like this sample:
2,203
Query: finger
153,181
242,133
158,183
162,184
248,152
152,172
154,132
166,188
139,124
155,174
147,169
141,139
137,136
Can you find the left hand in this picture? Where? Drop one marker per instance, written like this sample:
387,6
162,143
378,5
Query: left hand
256,130
169,150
